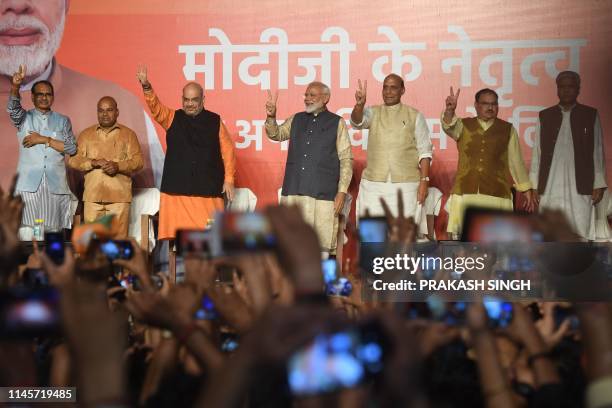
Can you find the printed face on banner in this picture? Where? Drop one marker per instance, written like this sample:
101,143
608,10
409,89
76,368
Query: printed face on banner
30,34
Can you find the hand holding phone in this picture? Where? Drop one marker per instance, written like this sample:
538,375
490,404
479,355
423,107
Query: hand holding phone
26,313
335,285
54,247
496,226
337,360
117,249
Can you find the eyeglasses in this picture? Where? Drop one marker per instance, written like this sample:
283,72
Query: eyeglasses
40,94
488,104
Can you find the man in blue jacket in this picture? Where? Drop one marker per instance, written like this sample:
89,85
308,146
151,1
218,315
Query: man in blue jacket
44,138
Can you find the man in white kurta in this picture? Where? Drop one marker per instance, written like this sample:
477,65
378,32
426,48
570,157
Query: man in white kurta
399,151
561,182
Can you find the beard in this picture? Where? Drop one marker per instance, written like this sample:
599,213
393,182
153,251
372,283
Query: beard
314,107
35,57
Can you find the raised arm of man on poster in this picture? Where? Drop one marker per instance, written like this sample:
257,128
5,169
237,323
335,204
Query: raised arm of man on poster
200,164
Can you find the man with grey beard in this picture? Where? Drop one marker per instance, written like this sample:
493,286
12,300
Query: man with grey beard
30,34
319,161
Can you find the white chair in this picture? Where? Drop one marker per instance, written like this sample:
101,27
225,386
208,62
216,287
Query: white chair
145,204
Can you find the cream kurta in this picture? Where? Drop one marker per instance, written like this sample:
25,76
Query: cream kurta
561,192
319,213
518,171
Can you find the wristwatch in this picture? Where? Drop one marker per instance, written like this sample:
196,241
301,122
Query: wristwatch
425,178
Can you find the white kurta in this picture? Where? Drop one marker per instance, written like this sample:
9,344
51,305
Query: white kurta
561,192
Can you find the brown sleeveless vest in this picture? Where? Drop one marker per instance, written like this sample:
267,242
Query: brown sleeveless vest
483,159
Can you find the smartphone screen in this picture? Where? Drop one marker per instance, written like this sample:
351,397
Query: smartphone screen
35,278
236,232
333,361
372,229
500,312
335,285
493,226
207,310
563,313
117,249
229,342
192,242
26,313
54,246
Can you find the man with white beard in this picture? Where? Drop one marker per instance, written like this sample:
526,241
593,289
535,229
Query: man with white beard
319,161
30,34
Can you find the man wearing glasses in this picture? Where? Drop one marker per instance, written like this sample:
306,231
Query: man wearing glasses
44,138
489,158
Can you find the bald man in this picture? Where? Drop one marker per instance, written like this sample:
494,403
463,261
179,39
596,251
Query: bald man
199,166
109,154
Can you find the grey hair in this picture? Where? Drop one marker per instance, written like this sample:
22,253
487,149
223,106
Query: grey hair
568,74
324,88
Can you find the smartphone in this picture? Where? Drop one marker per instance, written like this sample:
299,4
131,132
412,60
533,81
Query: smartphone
54,247
562,313
35,278
193,242
27,312
117,249
372,229
436,309
335,285
500,312
337,360
238,232
496,226
207,310
229,342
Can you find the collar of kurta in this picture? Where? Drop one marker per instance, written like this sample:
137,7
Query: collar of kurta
397,106
107,130
41,113
567,110
485,124
315,114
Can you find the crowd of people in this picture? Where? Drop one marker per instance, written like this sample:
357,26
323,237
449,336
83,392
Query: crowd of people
145,343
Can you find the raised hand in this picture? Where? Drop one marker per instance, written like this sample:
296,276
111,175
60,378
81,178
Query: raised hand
361,92
18,76
141,75
451,100
401,229
271,104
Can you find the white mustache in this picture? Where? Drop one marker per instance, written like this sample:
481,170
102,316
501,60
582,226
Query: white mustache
23,22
